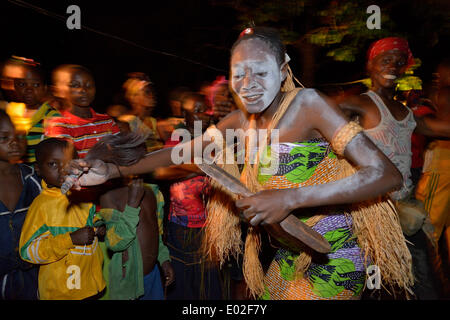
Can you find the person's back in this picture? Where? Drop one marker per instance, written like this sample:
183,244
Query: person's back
129,210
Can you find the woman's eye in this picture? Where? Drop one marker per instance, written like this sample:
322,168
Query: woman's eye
36,85
52,164
261,74
237,76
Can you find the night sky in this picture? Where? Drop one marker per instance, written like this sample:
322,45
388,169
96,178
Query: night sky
193,30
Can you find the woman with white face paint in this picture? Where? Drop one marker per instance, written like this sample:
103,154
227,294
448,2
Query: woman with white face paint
312,132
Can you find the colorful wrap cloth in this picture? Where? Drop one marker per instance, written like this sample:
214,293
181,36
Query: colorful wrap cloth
341,273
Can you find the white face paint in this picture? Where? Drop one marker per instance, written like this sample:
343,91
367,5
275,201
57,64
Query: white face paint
255,75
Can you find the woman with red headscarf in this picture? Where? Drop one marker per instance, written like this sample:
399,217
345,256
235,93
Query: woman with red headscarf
390,124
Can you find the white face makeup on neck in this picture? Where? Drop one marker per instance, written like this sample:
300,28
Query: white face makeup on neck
255,75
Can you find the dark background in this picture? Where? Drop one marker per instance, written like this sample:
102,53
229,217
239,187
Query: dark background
202,31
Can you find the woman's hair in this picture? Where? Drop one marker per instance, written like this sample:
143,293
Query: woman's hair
269,35
123,149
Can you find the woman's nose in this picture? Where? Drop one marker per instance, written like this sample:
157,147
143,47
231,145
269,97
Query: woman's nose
249,82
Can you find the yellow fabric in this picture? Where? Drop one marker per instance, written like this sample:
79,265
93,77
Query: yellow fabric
45,240
433,188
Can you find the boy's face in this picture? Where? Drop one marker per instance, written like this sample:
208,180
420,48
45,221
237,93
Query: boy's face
76,86
11,147
51,167
30,89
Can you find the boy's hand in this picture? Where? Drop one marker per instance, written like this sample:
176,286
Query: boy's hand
168,272
83,236
136,191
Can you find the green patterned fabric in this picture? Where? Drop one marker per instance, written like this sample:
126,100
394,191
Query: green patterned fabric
342,268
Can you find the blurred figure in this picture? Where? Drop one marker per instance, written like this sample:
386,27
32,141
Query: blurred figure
116,111
166,126
31,108
390,124
79,123
434,186
220,99
195,278
140,95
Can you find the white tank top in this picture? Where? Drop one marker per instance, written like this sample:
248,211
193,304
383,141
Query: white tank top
393,138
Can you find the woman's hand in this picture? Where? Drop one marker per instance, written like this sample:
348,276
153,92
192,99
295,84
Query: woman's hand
88,172
267,207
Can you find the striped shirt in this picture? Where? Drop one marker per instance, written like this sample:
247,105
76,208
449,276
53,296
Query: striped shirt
84,133
36,133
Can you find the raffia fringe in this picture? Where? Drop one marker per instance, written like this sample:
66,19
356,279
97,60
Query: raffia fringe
377,227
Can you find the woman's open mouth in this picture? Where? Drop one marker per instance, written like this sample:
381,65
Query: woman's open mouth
252,98
389,76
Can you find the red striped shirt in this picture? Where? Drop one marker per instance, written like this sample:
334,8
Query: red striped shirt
84,132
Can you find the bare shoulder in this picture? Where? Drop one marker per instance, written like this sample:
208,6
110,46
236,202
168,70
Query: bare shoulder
231,121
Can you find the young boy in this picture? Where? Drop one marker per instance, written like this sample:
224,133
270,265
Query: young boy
30,110
129,211
79,122
31,90
18,187
59,235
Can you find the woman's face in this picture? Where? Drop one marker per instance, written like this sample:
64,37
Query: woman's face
386,68
255,75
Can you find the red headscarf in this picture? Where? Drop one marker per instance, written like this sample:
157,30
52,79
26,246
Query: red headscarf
391,43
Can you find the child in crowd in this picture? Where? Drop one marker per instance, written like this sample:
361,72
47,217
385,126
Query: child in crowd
79,123
31,89
195,278
140,95
59,235
129,211
18,187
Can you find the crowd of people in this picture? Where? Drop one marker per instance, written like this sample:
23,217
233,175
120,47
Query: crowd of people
95,207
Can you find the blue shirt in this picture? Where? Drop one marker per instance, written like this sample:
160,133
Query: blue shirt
11,223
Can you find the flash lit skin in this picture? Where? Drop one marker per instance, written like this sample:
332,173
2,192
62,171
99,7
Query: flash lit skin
10,152
392,62
52,167
77,87
30,89
310,115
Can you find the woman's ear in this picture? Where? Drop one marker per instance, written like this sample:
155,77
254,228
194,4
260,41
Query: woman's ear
283,67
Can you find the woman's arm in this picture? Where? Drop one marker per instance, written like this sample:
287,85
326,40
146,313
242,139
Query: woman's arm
376,174
91,172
